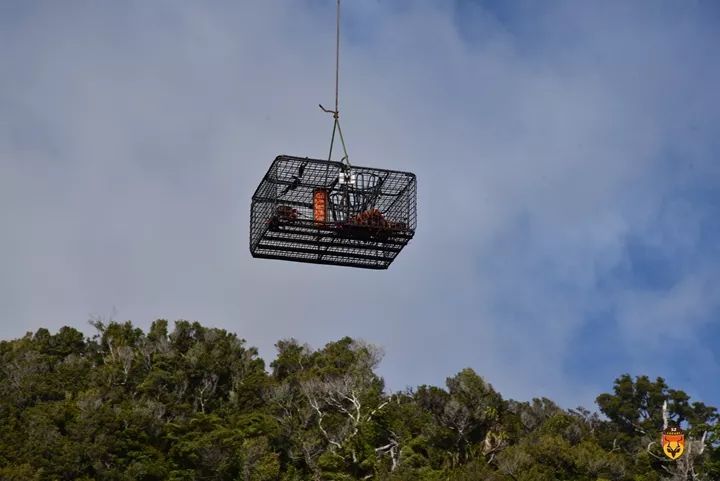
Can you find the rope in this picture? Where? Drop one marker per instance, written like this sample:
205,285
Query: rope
337,62
336,112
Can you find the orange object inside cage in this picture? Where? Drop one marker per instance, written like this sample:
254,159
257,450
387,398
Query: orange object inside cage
320,201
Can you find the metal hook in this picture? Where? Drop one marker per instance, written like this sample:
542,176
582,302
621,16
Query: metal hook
335,113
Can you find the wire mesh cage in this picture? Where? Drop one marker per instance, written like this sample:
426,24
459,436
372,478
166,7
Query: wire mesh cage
325,212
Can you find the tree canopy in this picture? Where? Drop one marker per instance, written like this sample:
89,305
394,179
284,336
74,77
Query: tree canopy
197,403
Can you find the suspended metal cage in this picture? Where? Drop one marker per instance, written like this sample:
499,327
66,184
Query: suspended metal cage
327,212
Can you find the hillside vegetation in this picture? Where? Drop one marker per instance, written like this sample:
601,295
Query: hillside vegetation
197,403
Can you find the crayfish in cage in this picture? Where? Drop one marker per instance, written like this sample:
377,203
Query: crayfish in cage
372,218
284,213
375,218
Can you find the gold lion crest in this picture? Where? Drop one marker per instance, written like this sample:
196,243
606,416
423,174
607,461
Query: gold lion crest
673,442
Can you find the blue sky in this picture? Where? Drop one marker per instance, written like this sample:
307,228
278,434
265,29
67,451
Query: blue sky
566,154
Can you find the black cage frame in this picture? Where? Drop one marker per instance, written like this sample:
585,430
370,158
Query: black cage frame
326,212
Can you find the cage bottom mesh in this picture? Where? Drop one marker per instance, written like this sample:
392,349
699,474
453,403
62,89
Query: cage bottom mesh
342,245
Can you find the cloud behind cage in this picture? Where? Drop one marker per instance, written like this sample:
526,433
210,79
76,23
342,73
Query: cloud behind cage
553,146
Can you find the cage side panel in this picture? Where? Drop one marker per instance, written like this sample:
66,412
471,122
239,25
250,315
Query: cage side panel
400,207
297,180
321,247
332,262
263,206
312,254
260,216
411,205
391,192
394,195
291,252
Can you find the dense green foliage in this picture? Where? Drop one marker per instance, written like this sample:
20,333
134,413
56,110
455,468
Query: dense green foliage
198,404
